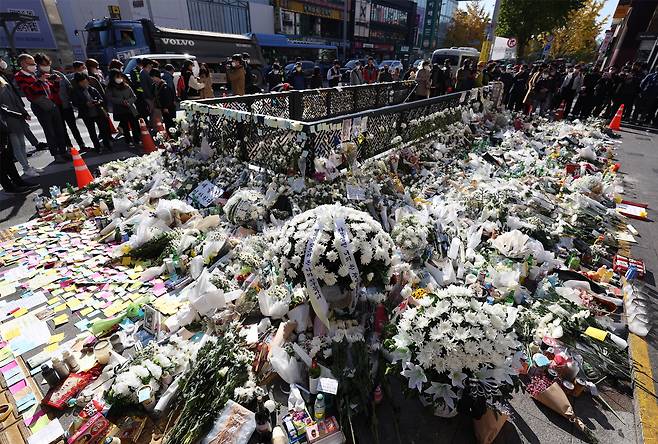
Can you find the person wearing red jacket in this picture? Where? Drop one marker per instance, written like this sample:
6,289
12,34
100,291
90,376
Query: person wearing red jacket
370,72
39,88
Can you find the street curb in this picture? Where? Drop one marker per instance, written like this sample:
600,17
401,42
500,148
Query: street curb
645,404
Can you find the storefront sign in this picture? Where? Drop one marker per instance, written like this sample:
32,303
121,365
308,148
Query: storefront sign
30,35
430,23
312,9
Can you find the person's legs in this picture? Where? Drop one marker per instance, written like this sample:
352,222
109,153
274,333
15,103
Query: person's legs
125,129
9,177
17,142
60,133
67,139
45,119
104,131
91,129
134,127
69,118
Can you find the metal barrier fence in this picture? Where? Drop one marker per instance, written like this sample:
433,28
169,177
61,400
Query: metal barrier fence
275,142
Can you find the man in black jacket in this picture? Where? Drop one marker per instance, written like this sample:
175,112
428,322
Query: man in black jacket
274,77
164,98
90,108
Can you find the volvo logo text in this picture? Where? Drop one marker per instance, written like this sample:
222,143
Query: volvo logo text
179,42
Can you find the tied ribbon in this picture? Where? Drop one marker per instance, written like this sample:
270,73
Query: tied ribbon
342,233
318,301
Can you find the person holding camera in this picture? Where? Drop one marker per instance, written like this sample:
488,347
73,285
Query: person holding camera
89,102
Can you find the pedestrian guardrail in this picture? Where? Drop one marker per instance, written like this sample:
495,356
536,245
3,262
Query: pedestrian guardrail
272,140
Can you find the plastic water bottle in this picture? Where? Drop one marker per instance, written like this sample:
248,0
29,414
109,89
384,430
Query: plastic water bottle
318,407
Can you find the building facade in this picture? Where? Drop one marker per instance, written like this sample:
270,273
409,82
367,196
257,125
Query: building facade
384,29
434,17
633,34
318,21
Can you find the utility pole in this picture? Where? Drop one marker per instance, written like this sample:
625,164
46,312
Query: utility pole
490,34
345,13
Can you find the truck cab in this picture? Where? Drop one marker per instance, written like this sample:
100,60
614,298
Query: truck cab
121,39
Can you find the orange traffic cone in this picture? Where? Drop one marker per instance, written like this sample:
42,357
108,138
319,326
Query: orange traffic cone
560,111
147,140
113,129
615,124
159,127
82,173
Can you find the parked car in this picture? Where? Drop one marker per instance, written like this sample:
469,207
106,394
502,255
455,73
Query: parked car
392,64
307,68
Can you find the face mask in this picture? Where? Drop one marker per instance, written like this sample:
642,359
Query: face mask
85,71
45,68
298,69
235,64
118,80
276,71
31,68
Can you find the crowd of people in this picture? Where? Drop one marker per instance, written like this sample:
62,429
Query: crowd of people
149,92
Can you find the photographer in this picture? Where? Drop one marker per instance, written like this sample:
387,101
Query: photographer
89,102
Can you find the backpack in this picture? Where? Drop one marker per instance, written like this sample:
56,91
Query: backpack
181,90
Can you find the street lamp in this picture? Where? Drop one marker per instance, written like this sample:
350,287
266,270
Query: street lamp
19,19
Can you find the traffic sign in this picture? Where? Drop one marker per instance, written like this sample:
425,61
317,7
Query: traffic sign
511,43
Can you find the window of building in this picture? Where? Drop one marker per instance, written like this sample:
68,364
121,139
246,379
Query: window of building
390,16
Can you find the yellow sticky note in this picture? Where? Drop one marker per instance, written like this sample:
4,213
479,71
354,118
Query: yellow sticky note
53,301
596,333
60,307
20,312
138,269
51,348
135,286
56,338
74,304
126,260
11,334
39,424
61,319
86,311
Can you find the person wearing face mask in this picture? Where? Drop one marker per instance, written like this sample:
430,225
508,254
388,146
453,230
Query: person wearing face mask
423,81
205,78
148,89
356,75
165,98
250,86
123,99
316,78
438,82
63,99
38,91
541,92
191,87
370,72
296,78
96,78
89,102
7,75
333,75
274,77
168,75
236,75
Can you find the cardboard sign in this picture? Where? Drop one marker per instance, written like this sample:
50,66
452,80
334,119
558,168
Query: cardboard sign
205,194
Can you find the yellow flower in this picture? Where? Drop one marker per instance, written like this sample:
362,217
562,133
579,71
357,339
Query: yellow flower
125,249
419,293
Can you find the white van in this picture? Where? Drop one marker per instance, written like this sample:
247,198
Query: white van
456,56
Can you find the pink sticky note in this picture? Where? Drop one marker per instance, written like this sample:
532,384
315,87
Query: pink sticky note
8,367
18,387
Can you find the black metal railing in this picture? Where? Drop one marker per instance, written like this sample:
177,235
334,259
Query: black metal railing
313,104
275,141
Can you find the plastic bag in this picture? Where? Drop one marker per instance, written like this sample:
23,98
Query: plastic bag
287,367
295,400
204,297
235,425
269,306
301,315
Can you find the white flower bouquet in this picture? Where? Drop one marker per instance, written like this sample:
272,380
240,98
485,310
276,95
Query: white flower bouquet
335,246
245,206
154,366
411,235
453,349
